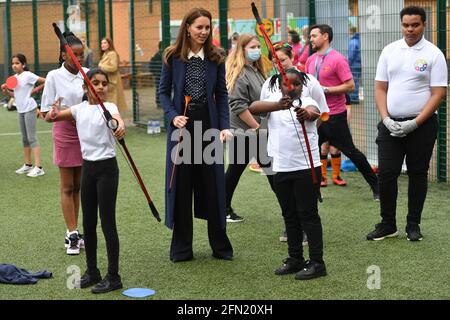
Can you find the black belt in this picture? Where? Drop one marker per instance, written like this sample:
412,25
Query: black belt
403,119
193,106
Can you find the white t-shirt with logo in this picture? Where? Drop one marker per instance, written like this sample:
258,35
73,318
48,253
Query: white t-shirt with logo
411,72
288,153
22,93
96,139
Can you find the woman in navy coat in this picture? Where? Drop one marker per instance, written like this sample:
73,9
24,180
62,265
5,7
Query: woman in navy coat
193,67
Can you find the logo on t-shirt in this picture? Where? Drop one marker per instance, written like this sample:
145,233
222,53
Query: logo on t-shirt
420,65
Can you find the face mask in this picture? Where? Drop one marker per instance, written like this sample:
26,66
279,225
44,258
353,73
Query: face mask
233,46
253,54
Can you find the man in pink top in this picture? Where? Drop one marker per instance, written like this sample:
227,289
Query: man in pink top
333,72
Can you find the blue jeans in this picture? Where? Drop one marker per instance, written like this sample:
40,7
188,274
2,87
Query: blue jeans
354,95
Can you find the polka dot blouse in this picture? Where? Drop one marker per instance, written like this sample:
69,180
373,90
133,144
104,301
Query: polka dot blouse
195,85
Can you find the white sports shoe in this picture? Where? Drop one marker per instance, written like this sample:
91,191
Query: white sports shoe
74,244
24,169
80,242
36,172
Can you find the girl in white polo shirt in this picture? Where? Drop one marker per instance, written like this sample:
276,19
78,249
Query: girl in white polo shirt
26,109
66,84
293,185
99,181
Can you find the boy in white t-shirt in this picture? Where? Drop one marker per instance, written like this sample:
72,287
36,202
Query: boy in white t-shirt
296,192
410,83
27,110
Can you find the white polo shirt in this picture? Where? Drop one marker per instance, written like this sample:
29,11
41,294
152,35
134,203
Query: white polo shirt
22,93
96,139
288,153
411,72
62,83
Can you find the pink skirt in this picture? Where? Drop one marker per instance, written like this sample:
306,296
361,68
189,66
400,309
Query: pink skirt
66,145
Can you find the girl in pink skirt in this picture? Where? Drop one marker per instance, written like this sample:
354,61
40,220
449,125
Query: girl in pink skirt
64,87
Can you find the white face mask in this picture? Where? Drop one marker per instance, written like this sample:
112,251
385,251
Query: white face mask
253,54
233,46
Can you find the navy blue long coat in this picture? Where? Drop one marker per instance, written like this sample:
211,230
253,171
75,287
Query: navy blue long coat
173,78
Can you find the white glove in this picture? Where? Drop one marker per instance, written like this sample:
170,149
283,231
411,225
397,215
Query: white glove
408,126
392,126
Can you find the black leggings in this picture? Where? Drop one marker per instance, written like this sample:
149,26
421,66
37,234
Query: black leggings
298,196
99,183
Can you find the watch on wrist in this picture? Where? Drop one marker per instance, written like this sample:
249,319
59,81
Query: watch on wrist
326,90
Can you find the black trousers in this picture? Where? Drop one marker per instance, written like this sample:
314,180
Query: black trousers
192,177
242,154
99,183
337,132
416,148
298,198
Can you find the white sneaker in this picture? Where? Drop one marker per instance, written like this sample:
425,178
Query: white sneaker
81,240
36,172
67,241
24,169
74,244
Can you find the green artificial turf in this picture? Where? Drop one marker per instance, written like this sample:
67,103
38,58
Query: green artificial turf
32,234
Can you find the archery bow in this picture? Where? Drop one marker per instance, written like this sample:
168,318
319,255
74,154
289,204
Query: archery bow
289,85
110,121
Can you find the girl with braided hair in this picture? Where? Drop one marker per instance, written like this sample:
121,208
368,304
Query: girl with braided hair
65,85
292,183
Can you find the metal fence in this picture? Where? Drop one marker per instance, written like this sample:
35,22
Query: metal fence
140,27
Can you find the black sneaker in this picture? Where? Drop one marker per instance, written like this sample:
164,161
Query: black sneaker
290,265
382,231
233,217
312,270
413,233
108,284
90,278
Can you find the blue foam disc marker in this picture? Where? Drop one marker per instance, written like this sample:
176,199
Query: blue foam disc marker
138,292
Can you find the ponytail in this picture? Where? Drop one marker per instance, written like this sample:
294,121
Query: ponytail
22,59
71,41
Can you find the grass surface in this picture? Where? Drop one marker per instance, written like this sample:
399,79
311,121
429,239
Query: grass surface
32,231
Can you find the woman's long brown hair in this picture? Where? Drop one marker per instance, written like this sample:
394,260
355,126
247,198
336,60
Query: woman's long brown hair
181,47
